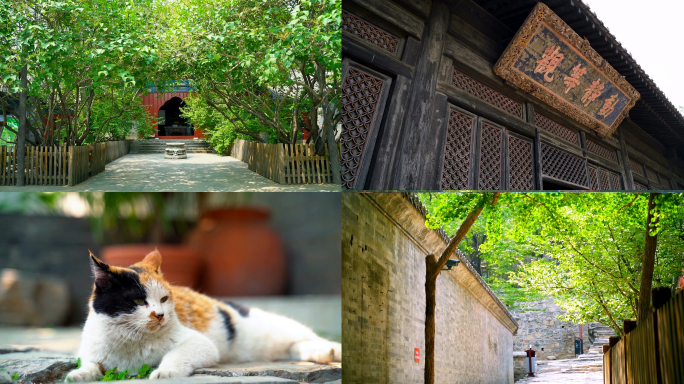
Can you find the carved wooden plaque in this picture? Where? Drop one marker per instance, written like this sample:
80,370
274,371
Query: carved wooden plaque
547,59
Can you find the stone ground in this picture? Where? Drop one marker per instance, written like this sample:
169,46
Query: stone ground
46,355
200,172
585,369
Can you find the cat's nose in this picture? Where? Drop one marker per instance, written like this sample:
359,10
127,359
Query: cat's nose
159,316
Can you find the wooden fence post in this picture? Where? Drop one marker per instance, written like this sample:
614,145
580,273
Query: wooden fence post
281,163
71,165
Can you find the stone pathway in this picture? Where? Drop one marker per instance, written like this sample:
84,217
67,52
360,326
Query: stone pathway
587,369
46,355
200,172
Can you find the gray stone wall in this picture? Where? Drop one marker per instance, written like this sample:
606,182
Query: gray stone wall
541,328
384,243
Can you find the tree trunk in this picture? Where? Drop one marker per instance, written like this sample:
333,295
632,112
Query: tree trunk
648,263
334,156
432,270
430,305
21,130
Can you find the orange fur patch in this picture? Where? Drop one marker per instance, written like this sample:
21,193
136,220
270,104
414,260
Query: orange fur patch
194,309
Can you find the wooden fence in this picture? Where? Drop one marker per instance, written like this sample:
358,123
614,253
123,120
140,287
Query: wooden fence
59,165
651,353
284,163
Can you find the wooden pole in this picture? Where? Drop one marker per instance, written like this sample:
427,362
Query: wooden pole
433,268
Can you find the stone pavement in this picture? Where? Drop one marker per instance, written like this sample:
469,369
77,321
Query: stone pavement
46,355
200,172
587,369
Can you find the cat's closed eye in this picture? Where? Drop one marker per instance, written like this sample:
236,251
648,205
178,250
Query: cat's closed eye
139,301
163,299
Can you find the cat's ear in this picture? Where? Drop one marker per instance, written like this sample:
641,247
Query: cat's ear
153,260
100,268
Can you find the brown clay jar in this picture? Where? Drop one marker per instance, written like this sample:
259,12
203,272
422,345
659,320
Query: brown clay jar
181,265
244,256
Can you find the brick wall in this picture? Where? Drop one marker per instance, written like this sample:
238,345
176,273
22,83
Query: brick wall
384,243
549,336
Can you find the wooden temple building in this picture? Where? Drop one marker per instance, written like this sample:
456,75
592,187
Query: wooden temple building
499,95
166,107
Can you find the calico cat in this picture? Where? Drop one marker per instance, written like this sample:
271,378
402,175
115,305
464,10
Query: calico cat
136,317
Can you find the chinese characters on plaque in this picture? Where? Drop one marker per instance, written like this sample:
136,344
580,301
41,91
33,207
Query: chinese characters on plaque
553,67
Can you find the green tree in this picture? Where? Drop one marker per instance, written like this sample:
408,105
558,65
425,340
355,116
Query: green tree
76,52
588,250
276,60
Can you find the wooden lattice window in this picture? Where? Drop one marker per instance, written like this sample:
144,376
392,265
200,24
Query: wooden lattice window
563,165
361,99
551,126
615,182
490,157
604,180
520,154
485,93
593,178
457,151
369,32
636,168
640,187
652,175
601,151
664,181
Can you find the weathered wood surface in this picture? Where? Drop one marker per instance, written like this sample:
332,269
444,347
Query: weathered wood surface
460,35
56,166
285,163
653,352
416,149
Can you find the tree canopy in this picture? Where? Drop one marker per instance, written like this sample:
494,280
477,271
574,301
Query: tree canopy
586,250
257,66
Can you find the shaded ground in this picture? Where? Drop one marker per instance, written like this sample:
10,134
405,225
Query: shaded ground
200,172
587,369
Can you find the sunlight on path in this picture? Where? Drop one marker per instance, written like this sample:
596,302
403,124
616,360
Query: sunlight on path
200,172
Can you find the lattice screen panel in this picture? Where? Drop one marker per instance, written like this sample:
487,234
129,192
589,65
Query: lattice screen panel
604,182
485,93
360,97
520,153
369,32
490,158
457,151
640,187
593,178
551,126
636,168
563,165
601,151
651,175
615,182
665,181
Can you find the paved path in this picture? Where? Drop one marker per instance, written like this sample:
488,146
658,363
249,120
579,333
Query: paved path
200,172
584,370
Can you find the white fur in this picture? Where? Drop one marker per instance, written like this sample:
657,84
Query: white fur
125,342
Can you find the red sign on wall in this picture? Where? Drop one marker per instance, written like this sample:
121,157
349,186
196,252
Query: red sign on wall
417,355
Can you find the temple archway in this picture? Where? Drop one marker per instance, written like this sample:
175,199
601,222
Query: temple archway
171,121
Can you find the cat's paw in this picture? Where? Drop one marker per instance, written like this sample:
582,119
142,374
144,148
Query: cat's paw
164,373
318,351
84,374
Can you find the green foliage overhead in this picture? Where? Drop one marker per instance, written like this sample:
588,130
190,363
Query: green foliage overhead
584,249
